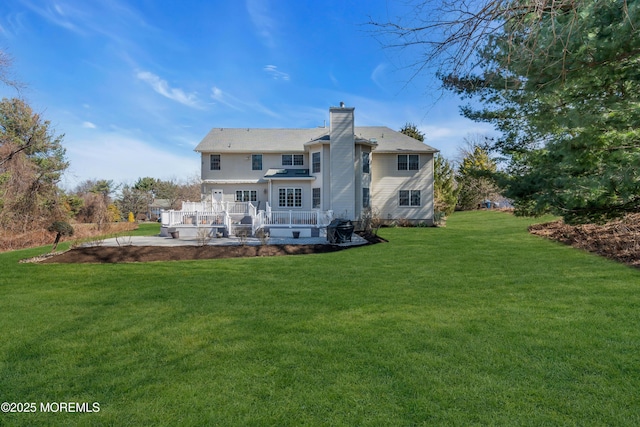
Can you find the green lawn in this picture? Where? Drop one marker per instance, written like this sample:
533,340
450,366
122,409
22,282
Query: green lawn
478,323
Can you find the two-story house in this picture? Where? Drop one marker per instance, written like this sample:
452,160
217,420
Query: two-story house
335,172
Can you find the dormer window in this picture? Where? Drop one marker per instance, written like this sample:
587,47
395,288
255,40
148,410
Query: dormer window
292,160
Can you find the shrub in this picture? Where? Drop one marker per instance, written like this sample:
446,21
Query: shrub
61,228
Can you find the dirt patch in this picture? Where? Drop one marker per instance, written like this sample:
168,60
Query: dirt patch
617,240
103,254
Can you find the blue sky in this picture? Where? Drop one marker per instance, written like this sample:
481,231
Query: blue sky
136,85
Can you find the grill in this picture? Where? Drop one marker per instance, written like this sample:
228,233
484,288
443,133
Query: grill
339,231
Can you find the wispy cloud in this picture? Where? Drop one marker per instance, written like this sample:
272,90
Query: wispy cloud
378,74
265,25
221,97
276,74
162,87
61,15
113,19
12,25
224,98
334,80
88,125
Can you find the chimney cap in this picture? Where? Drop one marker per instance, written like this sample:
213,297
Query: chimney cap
341,104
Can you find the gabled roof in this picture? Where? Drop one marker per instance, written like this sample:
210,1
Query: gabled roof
251,140
391,141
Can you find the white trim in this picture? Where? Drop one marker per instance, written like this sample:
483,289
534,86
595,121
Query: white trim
234,181
291,178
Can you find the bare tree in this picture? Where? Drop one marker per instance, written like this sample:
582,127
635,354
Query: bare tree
95,196
5,71
176,191
450,33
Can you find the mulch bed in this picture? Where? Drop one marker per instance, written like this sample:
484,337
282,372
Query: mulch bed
103,254
617,240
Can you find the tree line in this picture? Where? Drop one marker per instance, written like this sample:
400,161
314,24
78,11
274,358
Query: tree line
32,161
101,201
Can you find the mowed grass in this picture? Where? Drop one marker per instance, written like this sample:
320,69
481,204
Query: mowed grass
478,323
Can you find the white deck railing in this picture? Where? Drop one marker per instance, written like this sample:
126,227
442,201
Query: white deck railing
291,218
171,218
215,206
219,214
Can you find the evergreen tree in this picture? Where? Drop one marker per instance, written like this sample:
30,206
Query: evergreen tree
32,160
412,130
475,177
559,78
444,187
563,86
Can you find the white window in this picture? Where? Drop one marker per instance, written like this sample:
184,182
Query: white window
256,162
292,160
246,196
408,162
290,197
409,197
315,162
365,163
315,198
215,162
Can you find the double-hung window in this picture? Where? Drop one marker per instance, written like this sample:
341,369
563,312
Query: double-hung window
292,160
256,162
315,162
409,197
315,196
365,163
290,197
365,197
409,162
215,162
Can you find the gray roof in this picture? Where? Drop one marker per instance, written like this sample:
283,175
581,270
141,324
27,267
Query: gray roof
391,141
287,173
251,140
160,203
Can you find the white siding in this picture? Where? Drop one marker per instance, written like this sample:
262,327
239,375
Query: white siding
342,162
306,194
362,180
238,165
229,192
387,181
326,178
